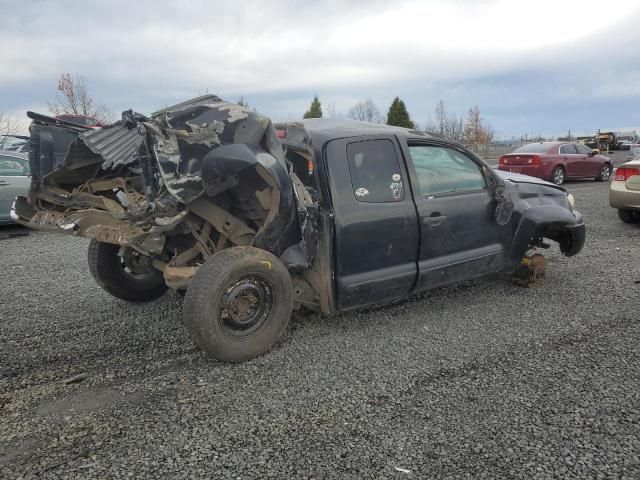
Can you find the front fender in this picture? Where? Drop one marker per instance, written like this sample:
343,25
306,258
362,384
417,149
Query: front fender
549,221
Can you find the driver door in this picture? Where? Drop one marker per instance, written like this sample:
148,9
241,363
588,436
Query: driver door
460,238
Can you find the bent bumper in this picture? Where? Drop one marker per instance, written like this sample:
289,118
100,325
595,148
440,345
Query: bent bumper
577,235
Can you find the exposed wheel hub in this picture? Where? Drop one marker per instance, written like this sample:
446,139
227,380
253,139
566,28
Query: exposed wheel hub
531,270
247,304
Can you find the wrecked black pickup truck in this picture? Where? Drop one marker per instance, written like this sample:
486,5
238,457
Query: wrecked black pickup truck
253,219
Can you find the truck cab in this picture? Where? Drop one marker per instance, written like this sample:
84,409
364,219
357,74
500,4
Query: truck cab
409,212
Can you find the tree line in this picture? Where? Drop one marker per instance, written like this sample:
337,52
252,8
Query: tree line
73,98
470,129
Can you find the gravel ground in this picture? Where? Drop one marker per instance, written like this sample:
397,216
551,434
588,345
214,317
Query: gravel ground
484,380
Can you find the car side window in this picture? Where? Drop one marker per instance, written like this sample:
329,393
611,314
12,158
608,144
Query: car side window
12,167
375,171
583,149
568,149
442,170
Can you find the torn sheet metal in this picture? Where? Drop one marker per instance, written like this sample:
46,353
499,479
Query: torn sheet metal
202,148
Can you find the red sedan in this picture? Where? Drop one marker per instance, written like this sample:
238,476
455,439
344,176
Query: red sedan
557,161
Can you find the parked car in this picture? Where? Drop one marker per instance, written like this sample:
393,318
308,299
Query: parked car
254,220
634,152
624,191
14,143
557,162
14,181
81,120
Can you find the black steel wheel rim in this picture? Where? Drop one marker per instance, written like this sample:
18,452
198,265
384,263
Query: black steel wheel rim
246,306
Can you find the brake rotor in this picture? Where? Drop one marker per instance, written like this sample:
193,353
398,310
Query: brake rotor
531,270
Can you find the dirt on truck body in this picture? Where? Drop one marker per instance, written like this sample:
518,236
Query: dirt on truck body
252,220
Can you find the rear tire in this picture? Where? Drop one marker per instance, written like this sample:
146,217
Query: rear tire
605,173
238,303
558,176
130,278
629,216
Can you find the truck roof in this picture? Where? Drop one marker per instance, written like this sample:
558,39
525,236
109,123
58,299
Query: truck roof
321,130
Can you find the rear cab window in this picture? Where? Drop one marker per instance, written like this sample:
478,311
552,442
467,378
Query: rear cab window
376,176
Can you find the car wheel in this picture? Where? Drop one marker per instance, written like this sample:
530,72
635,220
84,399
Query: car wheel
238,303
605,173
629,216
557,176
129,277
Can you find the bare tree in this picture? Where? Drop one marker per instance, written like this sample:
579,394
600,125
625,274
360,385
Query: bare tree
366,111
454,128
73,99
430,127
441,118
476,130
10,125
331,110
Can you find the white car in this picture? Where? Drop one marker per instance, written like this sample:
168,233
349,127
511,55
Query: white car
634,152
624,191
15,179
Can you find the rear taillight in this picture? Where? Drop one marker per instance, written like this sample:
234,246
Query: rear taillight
535,160
624,173
503,160
281,133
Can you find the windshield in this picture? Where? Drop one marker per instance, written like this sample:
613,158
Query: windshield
533,148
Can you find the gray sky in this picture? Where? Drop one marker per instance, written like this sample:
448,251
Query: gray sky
532,66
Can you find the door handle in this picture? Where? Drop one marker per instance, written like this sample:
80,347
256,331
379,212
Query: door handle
434,220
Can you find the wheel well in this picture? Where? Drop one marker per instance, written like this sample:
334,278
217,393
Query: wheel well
557,233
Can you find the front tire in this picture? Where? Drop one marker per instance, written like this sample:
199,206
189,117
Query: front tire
629,216
605,173
558,176
130,277
238,303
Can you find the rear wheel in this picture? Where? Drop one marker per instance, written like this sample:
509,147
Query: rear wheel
629,216
129,277
605,173
238,303
557,176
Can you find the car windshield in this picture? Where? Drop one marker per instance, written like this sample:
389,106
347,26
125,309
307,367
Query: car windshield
532,148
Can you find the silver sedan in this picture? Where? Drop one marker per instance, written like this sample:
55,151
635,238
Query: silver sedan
14,180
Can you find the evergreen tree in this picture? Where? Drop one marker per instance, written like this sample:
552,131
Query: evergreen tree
315,110
398,115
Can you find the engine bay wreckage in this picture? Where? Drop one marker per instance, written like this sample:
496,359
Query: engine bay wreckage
176,187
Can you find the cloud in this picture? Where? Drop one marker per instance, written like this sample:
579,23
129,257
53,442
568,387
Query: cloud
147,54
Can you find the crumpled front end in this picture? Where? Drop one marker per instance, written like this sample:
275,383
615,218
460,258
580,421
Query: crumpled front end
178,186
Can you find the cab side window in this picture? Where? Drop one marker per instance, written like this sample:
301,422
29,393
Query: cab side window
375,171
443,170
